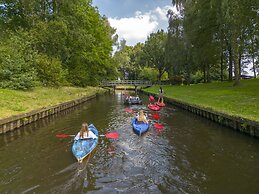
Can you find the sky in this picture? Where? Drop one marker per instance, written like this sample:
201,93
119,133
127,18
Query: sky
134,20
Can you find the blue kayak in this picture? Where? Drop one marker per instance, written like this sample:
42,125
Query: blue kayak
139,128
82,147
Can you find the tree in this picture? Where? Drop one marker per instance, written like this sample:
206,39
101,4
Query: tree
154,51
70,36
16,64
216,32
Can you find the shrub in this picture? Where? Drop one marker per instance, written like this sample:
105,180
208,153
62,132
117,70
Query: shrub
50,71
148,73
16,70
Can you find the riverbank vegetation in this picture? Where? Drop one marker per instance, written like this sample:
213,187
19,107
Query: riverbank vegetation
241,101
57,43
207,40
14,102
54,43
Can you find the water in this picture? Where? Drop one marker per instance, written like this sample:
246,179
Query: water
191,155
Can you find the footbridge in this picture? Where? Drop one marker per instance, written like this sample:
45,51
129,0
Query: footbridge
135,83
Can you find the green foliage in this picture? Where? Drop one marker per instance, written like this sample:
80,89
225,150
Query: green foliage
196,78
128,59
123,60
241,101
164,76
50,38
18,101
71,42
154,51
148,73
50,71
175,51
212,37
16,64
176,80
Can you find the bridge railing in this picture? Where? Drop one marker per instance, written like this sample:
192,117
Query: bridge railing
127,82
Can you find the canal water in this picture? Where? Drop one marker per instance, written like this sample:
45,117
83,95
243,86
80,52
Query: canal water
190,155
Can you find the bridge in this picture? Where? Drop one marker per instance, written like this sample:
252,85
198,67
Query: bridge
134,83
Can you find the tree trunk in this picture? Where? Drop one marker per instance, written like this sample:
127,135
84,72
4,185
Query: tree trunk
55,6
239,63
221,66
236,62
230,64
44,11
204,74
208,73
253,57
188,77
254,68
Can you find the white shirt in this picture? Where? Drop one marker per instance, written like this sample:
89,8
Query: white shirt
90,135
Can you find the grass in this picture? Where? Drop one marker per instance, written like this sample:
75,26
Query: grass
14,102
242,100
125,87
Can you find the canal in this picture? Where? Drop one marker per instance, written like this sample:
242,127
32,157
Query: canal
190,155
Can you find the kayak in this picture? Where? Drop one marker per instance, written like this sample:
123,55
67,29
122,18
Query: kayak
132,100
160,104
139,128
82,147
153,107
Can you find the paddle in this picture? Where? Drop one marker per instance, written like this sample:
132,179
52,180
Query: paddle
64,135
108,135
158,126
128,110
151,98
155,116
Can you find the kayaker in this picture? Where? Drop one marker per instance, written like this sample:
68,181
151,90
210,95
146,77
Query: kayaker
141,117
161,95
85,133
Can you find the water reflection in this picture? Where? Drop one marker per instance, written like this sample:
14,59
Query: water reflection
189,155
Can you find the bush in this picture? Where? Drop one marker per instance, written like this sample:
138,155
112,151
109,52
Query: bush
196,78
148,73
50,71
16,70
176,80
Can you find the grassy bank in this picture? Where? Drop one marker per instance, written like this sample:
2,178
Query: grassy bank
14,102
242,101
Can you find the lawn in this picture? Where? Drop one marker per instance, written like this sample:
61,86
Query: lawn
14,102
242,100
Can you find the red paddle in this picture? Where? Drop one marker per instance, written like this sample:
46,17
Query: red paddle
155,116
151,98
158,126
109,135
129,110
64,135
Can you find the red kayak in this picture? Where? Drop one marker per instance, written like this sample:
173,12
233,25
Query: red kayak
160,104
153,107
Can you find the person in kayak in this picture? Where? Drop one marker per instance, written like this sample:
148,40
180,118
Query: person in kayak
85,133
161,95
141,117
